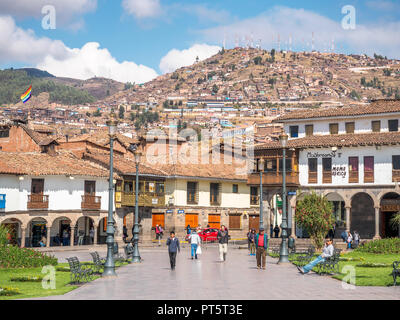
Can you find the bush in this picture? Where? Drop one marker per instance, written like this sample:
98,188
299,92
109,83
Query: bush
8,291
382,246
15,257
27,279
3,236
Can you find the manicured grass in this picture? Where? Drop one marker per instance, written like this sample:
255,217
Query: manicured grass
370,276
34,289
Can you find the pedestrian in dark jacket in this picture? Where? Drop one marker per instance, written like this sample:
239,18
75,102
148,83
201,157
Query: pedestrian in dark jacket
276,231
251,236
173,249
261,242
223,239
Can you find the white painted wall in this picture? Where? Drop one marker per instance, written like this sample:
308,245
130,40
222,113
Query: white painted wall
382,164
321,127
64,193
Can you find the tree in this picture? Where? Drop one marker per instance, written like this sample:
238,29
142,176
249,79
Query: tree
97,113
314,213
395,221
257,60
215,88
121,113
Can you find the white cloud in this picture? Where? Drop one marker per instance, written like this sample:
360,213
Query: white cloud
66,10
299,24
18,45
175,59
142,8
90,61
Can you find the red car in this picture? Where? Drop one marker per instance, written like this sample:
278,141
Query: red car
208,234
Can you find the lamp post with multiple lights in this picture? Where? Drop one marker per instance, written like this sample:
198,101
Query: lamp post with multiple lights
136,256
109,266
284,254
261,168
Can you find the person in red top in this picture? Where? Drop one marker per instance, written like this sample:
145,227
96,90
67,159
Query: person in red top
261,242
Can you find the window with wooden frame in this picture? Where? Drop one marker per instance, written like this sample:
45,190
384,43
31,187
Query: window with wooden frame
254,198
368,169
294,131
326,170
350,127
313,170
333,128
90,188
128,186
376,126
235,188
192,193
234,221
37,186
353,169
395,168
4,132
270,165
215,194
393,125
309,130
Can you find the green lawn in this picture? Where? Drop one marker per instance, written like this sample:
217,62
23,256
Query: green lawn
34,289
366,276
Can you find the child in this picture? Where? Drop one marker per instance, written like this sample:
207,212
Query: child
173,248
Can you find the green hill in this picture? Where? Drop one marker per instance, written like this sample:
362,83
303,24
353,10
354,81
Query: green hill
13,83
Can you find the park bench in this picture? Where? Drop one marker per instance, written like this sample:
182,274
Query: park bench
331,264
396,271
79,271
98,263
307,257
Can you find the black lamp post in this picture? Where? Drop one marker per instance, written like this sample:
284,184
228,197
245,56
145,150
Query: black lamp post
109,266
136,256
261,169
284,254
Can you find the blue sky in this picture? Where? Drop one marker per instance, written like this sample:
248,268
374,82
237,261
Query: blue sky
134,40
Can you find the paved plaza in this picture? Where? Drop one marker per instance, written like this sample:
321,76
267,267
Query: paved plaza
207,278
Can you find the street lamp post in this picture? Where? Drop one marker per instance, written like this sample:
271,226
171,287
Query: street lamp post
136,256
261,168
284,254
109,266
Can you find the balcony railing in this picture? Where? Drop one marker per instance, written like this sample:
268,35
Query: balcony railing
91,202
353,177
368,176
147,199
326,176
312,177
38,201
215,200
254,200
273,178
395,175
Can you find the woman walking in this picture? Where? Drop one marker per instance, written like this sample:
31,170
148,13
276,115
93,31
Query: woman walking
195,242
223,239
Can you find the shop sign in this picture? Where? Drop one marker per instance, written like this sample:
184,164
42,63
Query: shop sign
324,155
339,171
169,211
2,201
154,201
181,211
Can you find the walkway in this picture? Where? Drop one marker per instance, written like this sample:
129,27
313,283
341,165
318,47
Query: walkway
209,279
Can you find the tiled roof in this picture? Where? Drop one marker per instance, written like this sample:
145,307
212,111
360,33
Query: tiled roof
376,107
39,164
338,140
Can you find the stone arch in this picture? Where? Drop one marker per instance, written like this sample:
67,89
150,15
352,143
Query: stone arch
36,230
82,230
389,206
58,225
362,214
101,230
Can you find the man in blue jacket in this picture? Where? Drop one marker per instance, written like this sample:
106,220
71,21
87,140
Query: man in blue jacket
173,248
261,242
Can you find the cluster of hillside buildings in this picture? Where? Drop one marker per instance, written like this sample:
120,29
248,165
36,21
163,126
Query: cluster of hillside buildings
54,186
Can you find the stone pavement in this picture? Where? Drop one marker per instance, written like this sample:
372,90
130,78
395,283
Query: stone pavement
209,279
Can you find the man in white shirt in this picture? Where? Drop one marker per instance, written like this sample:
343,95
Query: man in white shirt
327,252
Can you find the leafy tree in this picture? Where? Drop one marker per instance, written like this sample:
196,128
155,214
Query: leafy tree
215,89
97,113
395,221
257,60
121,113
314,213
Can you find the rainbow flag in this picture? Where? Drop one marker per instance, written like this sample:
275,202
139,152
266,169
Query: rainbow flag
27,95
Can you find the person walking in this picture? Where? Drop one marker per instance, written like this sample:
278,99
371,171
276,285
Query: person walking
271,230
356,239
349,239
223,239
158,236
173,249
188,229
125,233
91,234
261,243
276,231
195,241
251,237
327,252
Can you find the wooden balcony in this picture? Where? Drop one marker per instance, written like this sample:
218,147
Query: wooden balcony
149,199
396,175
254,200
273,178
353,177
312,177
90,202
38,201
326,176
368,176
215,200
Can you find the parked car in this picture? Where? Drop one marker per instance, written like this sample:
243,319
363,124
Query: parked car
208,234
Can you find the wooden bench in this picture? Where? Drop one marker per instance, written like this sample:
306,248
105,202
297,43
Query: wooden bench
79,271
330,265
396,271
